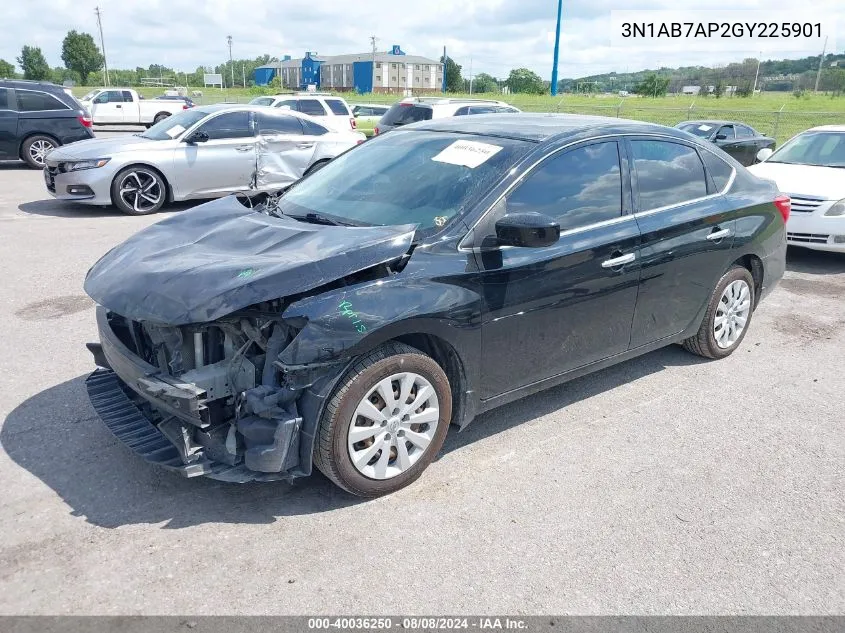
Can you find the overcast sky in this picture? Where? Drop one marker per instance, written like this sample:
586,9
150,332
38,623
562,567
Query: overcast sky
497,35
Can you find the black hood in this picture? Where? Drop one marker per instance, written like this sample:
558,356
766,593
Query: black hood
203,264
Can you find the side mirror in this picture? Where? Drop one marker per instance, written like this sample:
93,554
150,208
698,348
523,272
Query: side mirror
529,230
197,137
764,154
721,137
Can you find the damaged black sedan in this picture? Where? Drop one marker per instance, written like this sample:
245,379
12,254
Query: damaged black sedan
416,281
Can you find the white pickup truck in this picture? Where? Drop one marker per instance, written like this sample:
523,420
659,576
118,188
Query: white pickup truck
123,106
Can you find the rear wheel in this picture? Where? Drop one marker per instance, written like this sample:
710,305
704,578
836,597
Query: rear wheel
316,167
138,191
727,318
385,422
35,149
161,116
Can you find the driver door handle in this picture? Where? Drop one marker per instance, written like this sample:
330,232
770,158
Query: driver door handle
618,261
719,234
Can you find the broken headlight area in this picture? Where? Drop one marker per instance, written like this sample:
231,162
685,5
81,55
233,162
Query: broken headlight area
215,391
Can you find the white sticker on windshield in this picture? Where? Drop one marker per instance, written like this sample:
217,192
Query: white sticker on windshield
175,131
705,128
467,153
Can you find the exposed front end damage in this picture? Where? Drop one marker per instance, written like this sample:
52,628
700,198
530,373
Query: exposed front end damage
207,399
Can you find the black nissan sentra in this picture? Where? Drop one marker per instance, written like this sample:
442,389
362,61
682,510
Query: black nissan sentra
424,277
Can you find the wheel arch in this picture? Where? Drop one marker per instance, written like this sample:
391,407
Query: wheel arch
753,264
163,112
30,135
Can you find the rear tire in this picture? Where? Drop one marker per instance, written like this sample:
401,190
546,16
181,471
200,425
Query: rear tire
161,116
400,432
35,149
727,318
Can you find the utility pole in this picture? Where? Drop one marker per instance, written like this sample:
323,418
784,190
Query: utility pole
821,61
444,69
243,72
231,63
757,74
470,75
373,40
102,44
557,47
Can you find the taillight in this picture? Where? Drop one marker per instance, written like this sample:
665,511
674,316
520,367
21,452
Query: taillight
353,123
85,120
784,205
360,140
375,131
185,106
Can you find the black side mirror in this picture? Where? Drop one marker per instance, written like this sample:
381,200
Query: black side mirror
529,230
721,137
197,137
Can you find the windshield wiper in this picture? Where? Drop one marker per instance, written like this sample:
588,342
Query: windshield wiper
319,218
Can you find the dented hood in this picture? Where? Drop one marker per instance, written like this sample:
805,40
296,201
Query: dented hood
203,264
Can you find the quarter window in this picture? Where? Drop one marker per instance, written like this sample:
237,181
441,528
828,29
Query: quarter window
228,125
667,174
719,170
578,188
312,107
29,101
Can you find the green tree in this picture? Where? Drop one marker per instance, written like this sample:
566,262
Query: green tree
7,70
652,86
33,63
80,53
454,81
526,81
718,89
485,83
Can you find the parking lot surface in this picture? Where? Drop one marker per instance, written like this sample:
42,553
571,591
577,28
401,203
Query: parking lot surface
665,485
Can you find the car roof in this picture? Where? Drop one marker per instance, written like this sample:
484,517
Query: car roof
371,105
537,127
29,84
712,122
826,128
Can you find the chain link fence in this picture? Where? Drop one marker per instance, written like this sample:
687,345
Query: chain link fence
780,124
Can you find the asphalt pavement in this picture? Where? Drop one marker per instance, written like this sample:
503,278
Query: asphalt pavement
665,485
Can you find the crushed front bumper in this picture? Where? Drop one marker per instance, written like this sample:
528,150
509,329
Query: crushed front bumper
125,419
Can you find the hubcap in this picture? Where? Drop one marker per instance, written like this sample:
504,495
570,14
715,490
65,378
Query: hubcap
732,314
141,190
39,149
393,425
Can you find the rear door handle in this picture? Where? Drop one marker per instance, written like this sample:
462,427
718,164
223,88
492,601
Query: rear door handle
618,261
243,148
304,145
719,234
118,106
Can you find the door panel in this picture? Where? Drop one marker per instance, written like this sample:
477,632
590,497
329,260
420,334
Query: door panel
686,246
8,125
108,107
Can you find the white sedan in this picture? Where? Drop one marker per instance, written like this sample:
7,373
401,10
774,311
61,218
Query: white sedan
810,168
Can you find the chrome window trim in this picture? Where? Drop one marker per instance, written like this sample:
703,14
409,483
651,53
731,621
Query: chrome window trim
587,227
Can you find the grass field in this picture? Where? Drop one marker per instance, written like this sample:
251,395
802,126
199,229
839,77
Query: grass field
778,114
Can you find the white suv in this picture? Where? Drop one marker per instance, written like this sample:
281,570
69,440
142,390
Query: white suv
415,109
331,111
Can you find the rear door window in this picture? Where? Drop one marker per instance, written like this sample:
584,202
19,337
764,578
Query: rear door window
404,113
127,96
580,187
228,125
338,107
277,123
312,107
667,174
31,101
309,128
744,132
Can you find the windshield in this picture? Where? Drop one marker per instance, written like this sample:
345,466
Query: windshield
173,126
90,96
822,149
265,101
413,177
404,113
702,130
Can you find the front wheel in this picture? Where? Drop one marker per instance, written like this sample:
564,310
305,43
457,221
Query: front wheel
727,318
138,191
385,422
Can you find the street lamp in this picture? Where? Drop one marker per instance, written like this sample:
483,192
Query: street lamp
231,63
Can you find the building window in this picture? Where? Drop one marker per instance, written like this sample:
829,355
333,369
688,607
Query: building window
378,64
394,78
393,66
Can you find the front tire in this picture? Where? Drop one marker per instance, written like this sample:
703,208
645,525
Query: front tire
727,318
35,149
138,191
386,421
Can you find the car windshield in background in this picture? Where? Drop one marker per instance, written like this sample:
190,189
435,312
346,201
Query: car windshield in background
265,101
404,113
173,126
702,130
423,178
822,149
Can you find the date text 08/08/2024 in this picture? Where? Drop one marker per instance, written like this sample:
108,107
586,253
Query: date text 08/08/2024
417,623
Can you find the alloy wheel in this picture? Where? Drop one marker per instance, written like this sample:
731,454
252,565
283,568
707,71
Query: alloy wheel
393,425
732,314
39,149
141,190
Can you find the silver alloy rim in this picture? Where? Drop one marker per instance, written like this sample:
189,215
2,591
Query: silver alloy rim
141,190
732,314
39,149
393,426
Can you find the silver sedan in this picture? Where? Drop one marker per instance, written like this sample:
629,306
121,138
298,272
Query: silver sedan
204,152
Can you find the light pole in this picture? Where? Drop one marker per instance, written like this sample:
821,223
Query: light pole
557,47
757,74
821,61
231,63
